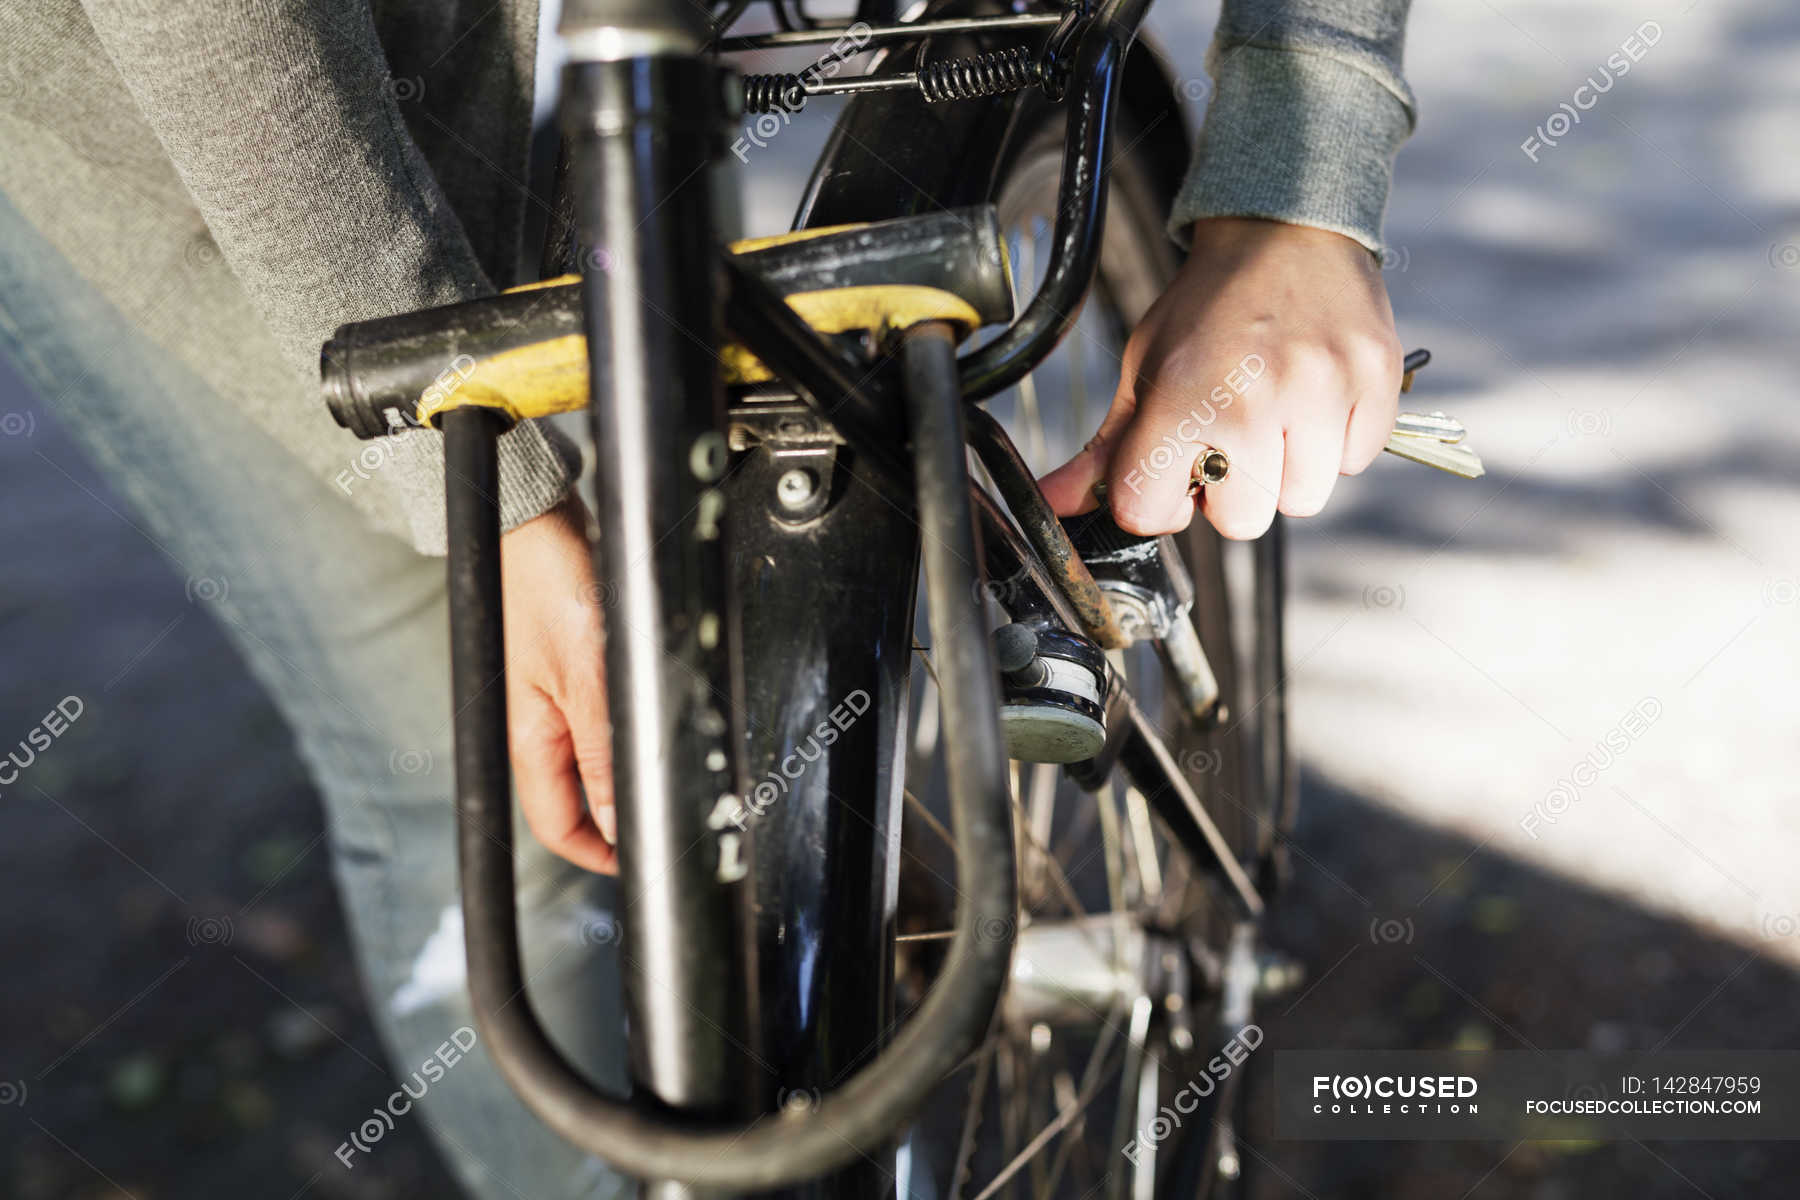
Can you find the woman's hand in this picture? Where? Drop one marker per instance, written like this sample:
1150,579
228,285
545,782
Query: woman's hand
559,732
1274,344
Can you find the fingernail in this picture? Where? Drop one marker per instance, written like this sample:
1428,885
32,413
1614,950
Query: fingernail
608,820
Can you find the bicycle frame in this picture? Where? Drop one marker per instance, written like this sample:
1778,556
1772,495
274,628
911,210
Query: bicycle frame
730,954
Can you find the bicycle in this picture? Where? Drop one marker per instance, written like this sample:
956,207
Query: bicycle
795,1000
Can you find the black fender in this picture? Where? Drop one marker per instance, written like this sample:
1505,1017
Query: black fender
893,154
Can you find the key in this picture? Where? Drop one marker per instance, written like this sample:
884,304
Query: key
1432,425
1444,455
1431,438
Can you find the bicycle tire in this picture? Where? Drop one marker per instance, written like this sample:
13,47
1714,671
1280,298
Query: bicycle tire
1136,264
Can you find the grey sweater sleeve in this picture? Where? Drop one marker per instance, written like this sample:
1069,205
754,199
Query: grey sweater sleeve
282,122
1308,110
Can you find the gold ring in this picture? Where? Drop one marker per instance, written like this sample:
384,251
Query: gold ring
1211,467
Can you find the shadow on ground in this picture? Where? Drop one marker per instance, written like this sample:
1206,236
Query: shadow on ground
1415,939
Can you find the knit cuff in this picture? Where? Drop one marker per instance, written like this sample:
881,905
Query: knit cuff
1294,136
538,466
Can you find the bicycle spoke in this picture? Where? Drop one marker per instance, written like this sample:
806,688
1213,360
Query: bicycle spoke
1093,1077
965,1143
1012,1124
931,822
1065,1091
1112,847
1123,1129
1042,809
1143,846
925,731
1143,1171
1041,1043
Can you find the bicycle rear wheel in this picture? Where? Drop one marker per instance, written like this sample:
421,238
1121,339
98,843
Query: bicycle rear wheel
1129,973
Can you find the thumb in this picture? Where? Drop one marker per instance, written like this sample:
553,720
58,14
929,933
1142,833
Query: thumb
1148,483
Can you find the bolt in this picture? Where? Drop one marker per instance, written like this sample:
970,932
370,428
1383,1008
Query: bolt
795,488
1015,646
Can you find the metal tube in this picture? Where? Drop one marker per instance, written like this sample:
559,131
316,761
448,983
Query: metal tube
641,136
1186,660
870,35
857,1118
1279,798
855,397
1080,213
1042,528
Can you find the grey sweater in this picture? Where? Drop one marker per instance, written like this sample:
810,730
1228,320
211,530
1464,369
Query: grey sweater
239,177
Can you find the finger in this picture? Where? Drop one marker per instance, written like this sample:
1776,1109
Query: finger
1321,386
549,787
590,734
1371,422
1070,488
1311,454
1243,506
1147,482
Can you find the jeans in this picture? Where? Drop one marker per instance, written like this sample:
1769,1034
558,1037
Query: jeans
346,630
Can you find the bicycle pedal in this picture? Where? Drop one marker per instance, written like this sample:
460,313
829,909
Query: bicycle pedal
1152,595
1055,684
